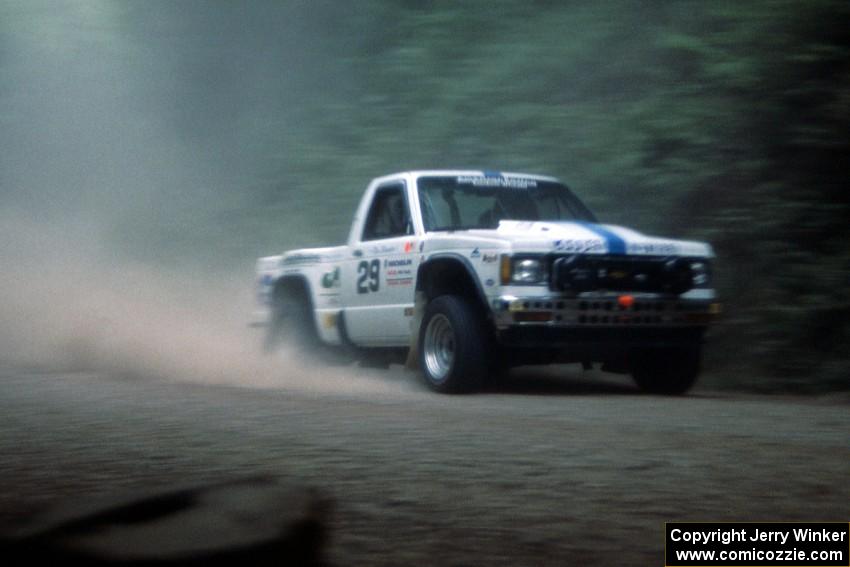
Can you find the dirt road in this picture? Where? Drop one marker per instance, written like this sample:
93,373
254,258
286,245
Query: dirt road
544,470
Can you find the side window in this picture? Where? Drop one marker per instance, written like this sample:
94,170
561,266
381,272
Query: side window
389,214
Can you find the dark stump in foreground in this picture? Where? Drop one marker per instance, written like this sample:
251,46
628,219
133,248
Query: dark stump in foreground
255,521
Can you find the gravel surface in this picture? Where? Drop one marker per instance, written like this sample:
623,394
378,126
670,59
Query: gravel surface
543,470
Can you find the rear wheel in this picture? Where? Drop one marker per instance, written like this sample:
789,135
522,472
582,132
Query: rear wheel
291,323
452,343
666,371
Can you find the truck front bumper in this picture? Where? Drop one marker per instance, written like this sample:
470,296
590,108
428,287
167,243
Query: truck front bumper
605,320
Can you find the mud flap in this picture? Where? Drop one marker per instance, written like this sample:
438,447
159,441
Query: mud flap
419,304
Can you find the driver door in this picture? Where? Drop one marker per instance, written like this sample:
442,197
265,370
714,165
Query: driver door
380,277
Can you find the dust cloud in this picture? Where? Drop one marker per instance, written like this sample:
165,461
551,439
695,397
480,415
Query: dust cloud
128,139
71,306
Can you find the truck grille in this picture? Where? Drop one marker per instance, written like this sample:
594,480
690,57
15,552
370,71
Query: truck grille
653,274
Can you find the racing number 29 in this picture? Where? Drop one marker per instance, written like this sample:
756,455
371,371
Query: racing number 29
368,276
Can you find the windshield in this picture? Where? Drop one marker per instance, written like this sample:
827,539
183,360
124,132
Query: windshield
467,201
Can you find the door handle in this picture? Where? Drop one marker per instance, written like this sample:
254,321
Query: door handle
358,253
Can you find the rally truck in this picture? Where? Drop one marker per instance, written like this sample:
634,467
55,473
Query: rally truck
468,273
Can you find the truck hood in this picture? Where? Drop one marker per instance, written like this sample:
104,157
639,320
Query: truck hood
590,238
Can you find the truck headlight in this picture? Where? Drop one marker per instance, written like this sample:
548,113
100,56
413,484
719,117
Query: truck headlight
700,273
527,271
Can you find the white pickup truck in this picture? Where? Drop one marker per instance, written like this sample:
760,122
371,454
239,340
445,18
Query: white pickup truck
467,273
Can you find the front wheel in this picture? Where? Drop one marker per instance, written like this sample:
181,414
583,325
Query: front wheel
668,371
452,342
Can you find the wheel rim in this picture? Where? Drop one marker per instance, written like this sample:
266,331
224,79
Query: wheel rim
439,348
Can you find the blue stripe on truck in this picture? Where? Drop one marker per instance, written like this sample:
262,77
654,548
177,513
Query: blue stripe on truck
616,245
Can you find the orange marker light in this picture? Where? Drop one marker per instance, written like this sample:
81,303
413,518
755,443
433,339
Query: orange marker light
626,301
505,270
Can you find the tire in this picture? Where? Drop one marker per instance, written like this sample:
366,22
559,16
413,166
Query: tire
452,345
669,371
292,323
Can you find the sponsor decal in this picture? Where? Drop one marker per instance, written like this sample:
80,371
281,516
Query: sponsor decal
301,259
579,245
476,253
652,248
398,272
490,258
383,249
493,181
408,247
408,311
331,279
400,276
